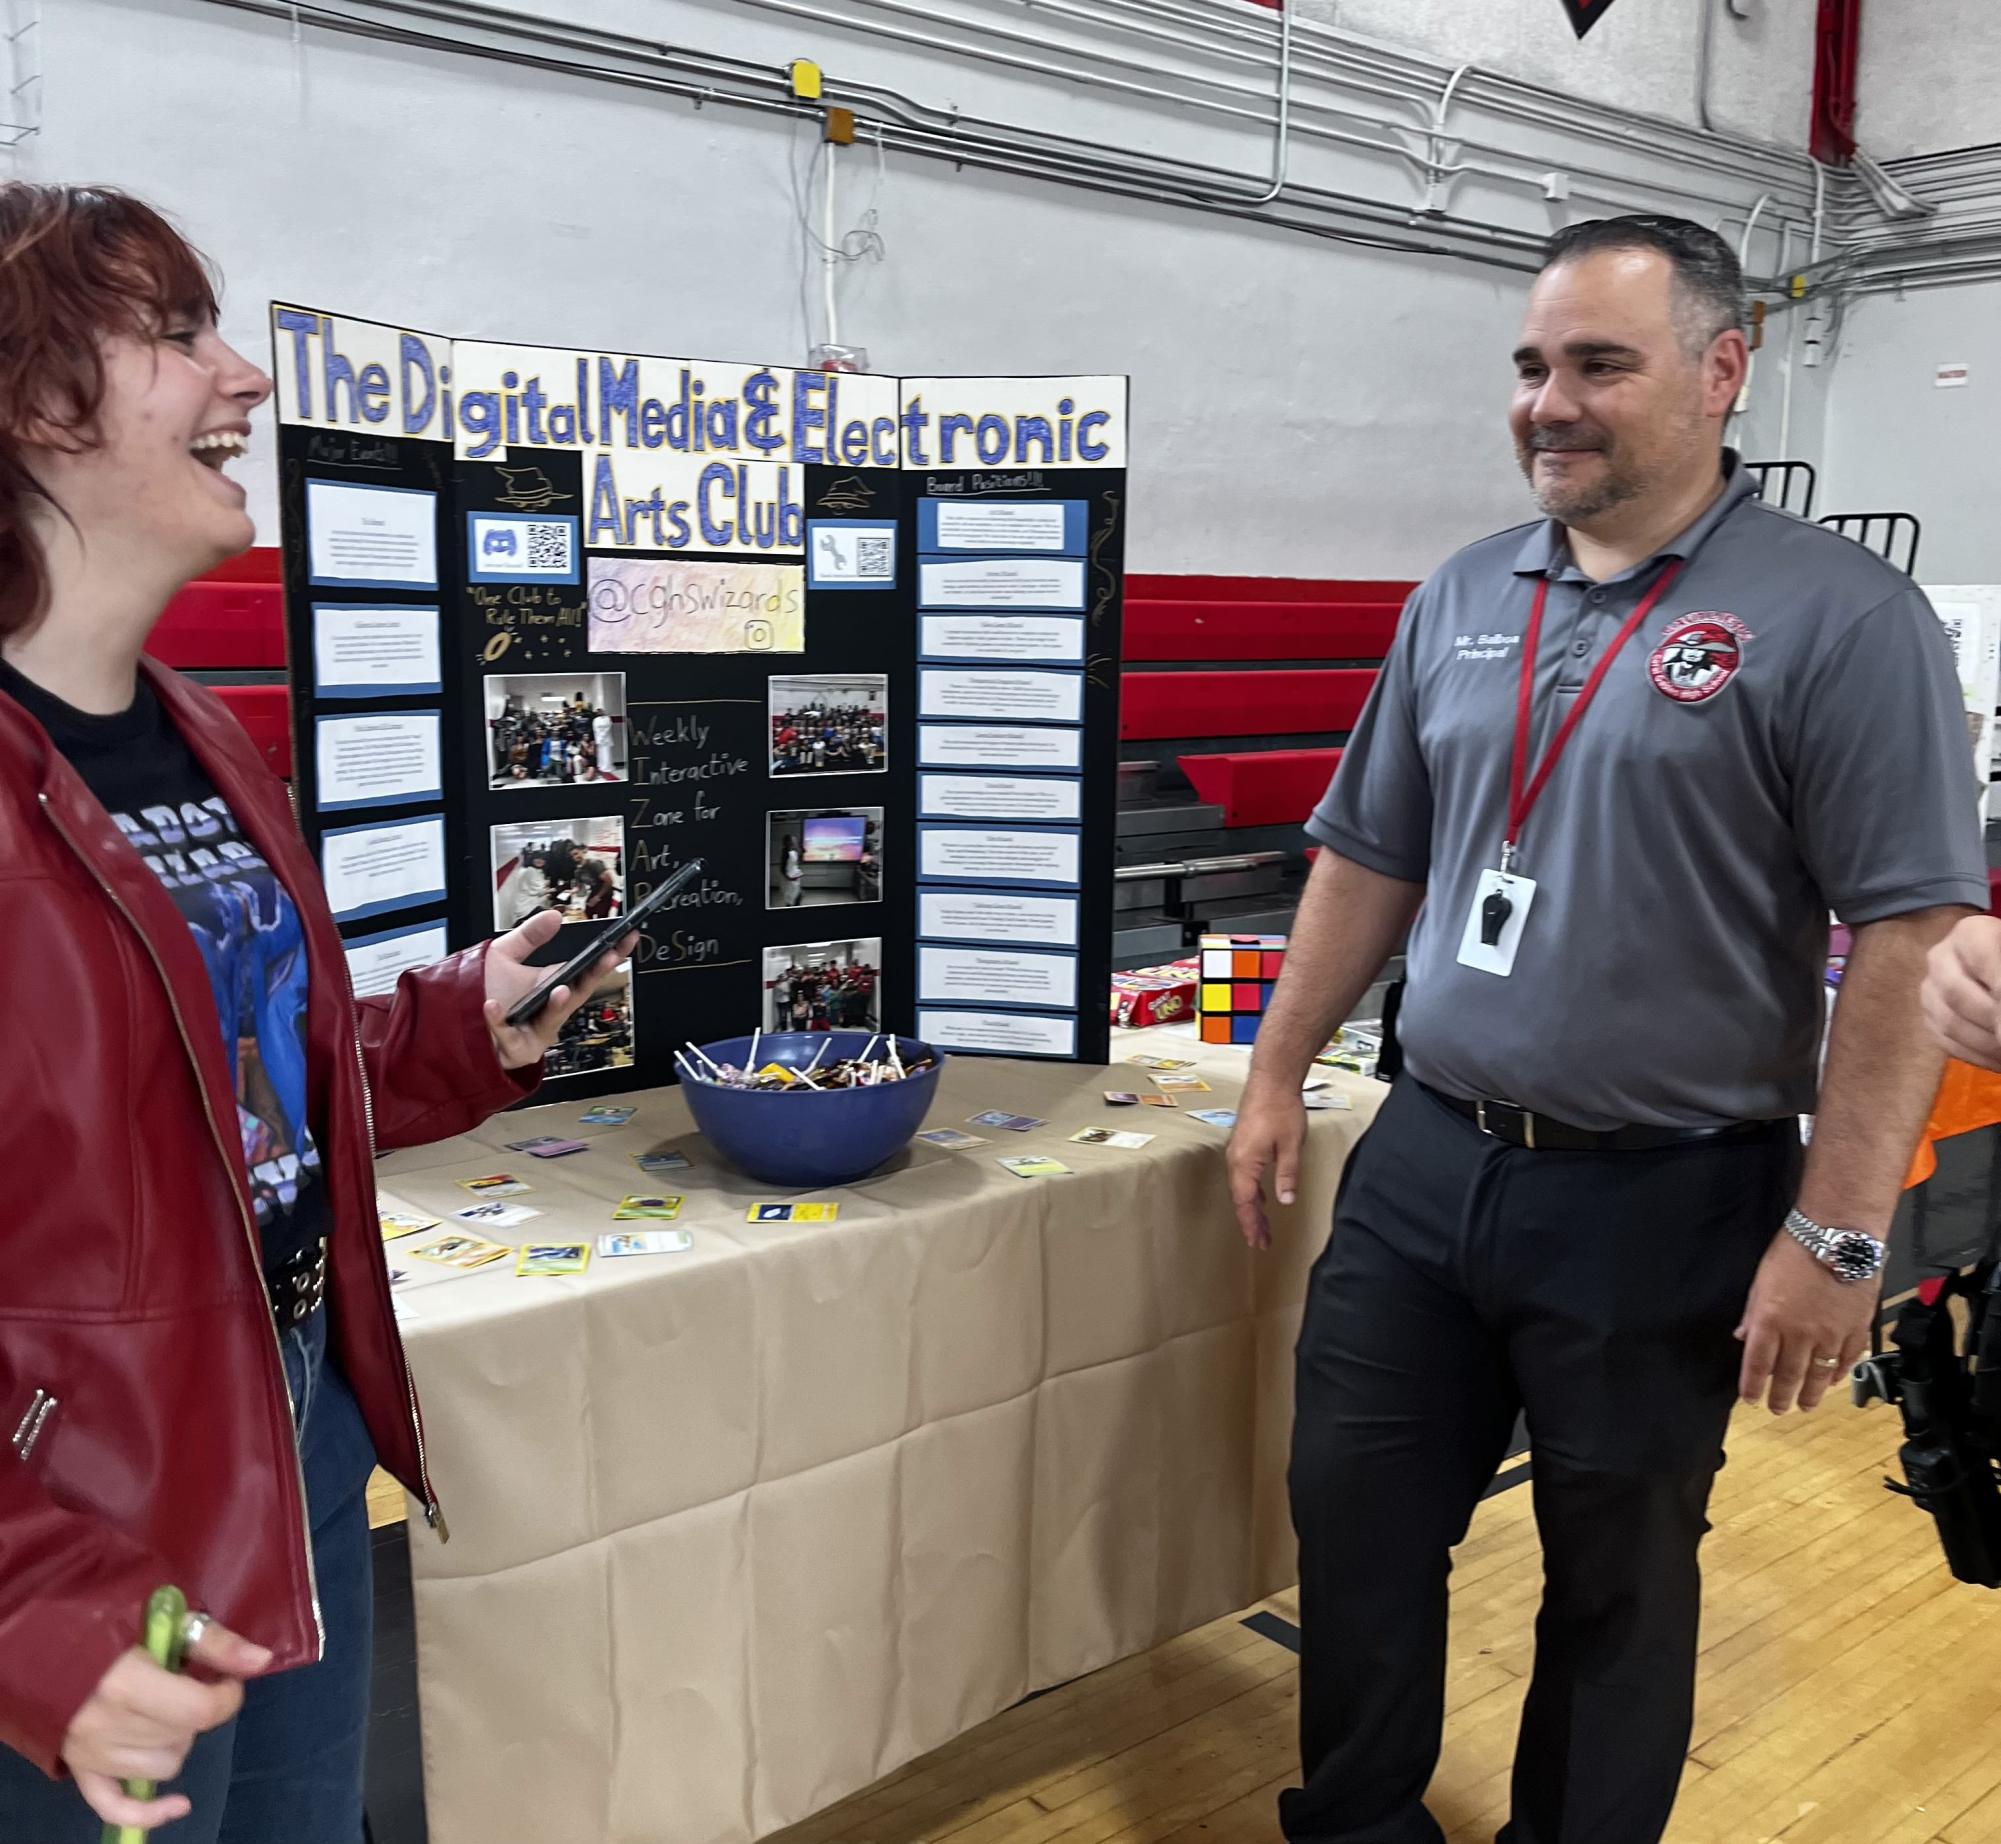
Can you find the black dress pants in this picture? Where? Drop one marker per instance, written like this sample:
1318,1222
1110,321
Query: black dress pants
1466,1281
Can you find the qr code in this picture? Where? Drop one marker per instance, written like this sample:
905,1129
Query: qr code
873,557
548,545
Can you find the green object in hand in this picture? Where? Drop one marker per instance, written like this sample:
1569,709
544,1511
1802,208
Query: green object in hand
164,1636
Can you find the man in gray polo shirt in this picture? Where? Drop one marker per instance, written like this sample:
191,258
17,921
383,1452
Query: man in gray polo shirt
1584,1199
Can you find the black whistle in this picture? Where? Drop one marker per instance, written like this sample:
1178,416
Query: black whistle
1494,914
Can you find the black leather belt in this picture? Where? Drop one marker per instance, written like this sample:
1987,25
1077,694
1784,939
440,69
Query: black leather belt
1517,1126
300,1286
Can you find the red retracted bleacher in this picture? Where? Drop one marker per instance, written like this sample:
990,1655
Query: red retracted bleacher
1153,705
1273,787
228,630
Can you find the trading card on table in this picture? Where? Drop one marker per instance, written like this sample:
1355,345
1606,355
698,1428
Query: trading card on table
554,1258
1121,1098
644,1242
1320,1101
1035,1165
402,1221
952,1138
461,1251
495,1216
665,1161
1012,1123
647,1210
1110,1136
496,1184
1158,1101
548,1146
1216,1117
606,1117
1181,1082
792,1213
1161,1062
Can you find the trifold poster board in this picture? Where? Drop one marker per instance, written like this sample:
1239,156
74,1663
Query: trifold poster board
1972,617
561,619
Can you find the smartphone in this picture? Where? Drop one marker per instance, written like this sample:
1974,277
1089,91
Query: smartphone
612,933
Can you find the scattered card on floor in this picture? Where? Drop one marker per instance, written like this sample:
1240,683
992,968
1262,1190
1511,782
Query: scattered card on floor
1035,1165
647,1210
1110,1136
644,1242
1158,1101
1121,1098
554,1258
667,1160
1161,1062
1182,1082
495,1216
606,1117
792,1213
1216,1117
461,1251
548,1146
952,1138
1013,1123
496,1184
403,1222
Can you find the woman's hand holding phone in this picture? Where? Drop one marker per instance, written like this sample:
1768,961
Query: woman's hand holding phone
510,979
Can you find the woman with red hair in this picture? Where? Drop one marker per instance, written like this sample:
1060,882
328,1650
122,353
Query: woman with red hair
198,1362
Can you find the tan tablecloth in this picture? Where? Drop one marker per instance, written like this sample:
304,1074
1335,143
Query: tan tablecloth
737,1531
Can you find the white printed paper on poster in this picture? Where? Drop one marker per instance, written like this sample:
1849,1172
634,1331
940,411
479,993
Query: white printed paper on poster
379,760
368,537
999,746
1024,697
370,870
1002,1033
1000,797
999,855
1003,525
1044,639
376,962
960,423
995,976
997,915
375,652
1002,582
1972,620
671,605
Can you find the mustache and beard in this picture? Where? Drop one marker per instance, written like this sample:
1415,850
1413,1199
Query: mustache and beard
1589,493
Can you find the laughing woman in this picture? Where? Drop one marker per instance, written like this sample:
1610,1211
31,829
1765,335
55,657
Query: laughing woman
198,1361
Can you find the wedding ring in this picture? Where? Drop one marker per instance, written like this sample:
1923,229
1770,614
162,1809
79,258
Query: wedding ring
193,1629
1827,1363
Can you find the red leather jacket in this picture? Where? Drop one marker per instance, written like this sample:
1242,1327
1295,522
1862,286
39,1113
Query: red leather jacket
130,1281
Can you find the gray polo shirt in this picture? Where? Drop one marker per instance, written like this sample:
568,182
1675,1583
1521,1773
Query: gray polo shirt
1783,736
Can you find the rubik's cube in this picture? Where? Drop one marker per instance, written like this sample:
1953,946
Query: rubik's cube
1238,972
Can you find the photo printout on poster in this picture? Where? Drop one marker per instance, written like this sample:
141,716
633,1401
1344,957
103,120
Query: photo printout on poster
375,652
966,745
1039,639
1002,582
382,759
1002,1033
1054,525
376,962
1000,797
995,976
999,854
358,537
1025,697
997,915
370,870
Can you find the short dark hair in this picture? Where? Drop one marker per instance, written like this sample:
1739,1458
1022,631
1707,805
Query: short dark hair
1707,274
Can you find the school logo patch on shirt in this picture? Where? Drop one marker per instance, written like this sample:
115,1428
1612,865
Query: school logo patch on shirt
1699,655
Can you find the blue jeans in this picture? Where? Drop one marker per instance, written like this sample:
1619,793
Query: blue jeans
290,1766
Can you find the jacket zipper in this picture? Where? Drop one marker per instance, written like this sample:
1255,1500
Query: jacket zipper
434,1518
243,1214
40,1407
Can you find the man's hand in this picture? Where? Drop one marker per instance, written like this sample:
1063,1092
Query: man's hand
1799,1313
1270,1130
1962,991
509,979
141,1721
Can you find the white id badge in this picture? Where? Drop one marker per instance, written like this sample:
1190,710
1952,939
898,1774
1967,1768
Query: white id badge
1497,955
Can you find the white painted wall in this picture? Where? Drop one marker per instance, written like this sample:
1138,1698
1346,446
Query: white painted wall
1301,407
1930,76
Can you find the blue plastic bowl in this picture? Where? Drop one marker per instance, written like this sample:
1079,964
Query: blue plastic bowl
801,1137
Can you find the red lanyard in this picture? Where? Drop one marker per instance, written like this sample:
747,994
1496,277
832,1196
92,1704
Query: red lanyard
1523,793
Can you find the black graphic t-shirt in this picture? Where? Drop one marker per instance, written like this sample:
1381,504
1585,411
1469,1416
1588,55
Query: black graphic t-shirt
246,927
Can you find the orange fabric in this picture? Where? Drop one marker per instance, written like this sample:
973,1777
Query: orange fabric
1968,1099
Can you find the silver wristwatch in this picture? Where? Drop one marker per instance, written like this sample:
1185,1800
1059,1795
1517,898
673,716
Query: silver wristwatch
1848,1254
